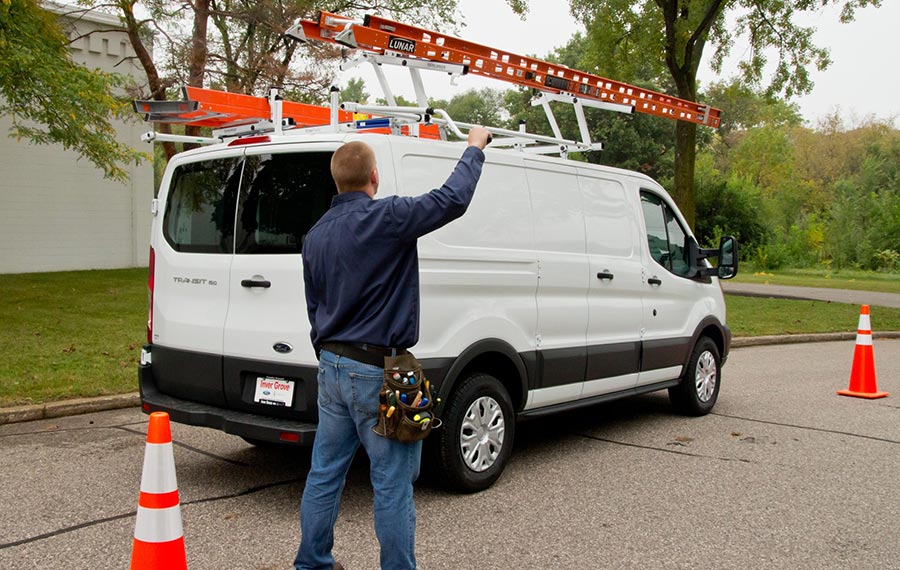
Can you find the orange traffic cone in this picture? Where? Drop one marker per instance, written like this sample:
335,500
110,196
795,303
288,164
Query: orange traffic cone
862,375
158,535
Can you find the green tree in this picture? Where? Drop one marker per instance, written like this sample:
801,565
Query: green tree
670,37
355,91
51,99
475,106
744,108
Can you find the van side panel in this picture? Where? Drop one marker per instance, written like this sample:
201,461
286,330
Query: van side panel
478,274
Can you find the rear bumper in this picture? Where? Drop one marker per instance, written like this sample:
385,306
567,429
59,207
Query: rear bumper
243,424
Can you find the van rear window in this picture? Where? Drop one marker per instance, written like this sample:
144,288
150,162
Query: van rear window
278,199
282,197
199,214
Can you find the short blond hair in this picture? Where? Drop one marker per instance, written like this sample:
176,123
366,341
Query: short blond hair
352,166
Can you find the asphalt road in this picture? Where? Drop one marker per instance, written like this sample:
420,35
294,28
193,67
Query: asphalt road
784,474
853,297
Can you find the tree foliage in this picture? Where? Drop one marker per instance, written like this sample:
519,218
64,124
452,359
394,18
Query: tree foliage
643,39
479,107
355,91
51,99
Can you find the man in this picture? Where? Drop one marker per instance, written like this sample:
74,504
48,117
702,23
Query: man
361,273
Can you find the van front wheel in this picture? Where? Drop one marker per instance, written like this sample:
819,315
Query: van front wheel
698,390
476,439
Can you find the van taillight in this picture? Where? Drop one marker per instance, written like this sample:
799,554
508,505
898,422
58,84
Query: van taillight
150,280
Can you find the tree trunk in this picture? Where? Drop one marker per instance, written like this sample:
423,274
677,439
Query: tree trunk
154,82
198,56
685,155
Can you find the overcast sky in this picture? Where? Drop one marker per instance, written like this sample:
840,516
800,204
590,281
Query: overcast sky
862,80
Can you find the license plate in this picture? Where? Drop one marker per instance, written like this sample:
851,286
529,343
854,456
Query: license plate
274,391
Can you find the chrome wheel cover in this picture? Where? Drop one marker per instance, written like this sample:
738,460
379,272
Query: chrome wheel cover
705,376
481,434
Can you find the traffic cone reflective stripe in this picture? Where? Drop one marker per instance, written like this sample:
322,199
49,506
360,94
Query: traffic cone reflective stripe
158,501
862,376
158,533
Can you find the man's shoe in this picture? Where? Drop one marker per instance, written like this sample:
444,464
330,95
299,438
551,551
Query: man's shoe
338,566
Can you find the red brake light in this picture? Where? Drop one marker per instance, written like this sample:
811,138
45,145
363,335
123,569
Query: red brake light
289,436
249,140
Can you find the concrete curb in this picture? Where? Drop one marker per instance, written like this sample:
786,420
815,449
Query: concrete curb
744,341
68,408
103,403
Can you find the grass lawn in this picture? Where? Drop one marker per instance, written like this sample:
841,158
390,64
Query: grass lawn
756,316
70,334
77,334
844,279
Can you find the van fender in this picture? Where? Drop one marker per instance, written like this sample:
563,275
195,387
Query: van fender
489,355
718,332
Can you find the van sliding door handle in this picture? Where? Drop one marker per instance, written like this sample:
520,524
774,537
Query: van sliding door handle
605,274
654,281
256,283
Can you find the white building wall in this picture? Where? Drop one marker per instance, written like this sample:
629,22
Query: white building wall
57,212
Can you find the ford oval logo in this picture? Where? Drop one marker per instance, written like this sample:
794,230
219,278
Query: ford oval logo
282,347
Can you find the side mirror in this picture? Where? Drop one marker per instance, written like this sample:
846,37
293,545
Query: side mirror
728,258
727,255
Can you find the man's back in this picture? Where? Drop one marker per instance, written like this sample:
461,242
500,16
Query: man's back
360,262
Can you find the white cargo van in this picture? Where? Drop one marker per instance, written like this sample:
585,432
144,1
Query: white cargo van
565,284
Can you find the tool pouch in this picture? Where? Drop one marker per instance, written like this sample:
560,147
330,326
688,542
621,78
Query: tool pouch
400,415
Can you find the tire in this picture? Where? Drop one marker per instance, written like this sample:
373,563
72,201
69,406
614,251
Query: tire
698,390
472,447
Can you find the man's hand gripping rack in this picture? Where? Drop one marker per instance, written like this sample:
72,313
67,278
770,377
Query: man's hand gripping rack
380,41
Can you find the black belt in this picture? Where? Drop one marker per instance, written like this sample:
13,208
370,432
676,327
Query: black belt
365,353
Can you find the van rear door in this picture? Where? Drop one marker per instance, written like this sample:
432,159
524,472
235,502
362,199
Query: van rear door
269,366
193,251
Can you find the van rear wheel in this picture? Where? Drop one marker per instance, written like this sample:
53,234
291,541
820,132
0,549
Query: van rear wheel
475,442
698,390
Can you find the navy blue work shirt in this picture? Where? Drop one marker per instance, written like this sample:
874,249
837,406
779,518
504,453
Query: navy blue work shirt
361,265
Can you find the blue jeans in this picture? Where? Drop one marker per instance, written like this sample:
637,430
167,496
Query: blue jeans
348,409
